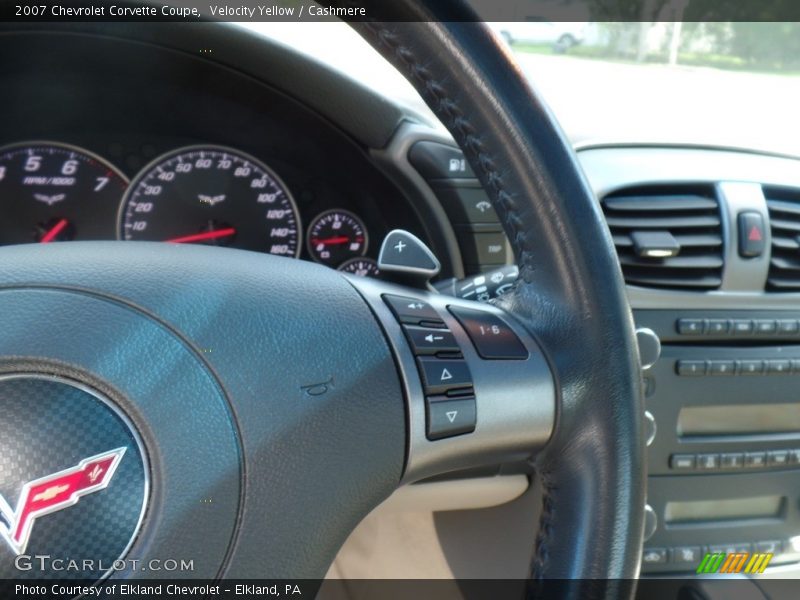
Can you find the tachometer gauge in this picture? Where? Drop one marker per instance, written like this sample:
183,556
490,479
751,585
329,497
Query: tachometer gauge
211,195
363,267
52,192
335,236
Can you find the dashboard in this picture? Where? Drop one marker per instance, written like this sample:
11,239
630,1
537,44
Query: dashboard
127,135
111,139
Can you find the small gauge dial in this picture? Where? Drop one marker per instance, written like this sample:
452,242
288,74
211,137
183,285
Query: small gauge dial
211,195
335,236
53,192
364,267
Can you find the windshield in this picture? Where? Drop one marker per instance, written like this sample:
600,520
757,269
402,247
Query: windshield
720,84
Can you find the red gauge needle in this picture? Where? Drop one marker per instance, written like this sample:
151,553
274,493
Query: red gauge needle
342,239
51,235
208,235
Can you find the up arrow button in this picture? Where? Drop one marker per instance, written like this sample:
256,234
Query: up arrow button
441,375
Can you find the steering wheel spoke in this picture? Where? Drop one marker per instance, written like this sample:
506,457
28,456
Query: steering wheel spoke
478,388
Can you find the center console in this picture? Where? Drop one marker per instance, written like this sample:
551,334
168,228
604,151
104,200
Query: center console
724,463
709,244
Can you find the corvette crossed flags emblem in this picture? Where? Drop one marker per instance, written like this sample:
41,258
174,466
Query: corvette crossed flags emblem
55,492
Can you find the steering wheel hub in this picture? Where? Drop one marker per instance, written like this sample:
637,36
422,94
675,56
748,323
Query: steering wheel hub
61,522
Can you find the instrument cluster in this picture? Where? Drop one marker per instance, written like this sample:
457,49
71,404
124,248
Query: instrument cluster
202,194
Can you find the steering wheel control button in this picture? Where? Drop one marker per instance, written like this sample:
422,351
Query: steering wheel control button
439,161
752,235
424,340
492,337
413,311
440,376
448,417
405,255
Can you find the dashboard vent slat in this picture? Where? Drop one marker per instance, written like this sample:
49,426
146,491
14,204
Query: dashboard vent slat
659,203
784,217
666,222
688,213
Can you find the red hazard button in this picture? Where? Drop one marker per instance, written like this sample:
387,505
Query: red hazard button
752,237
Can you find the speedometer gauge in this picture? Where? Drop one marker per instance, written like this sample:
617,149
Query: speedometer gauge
211,195
53,192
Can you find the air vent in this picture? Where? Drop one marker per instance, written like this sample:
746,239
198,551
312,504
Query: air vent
667,236
784,217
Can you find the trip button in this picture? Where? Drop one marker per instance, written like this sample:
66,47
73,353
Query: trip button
413,310
424,340
448,417
492,337
484,248
742,327
441,375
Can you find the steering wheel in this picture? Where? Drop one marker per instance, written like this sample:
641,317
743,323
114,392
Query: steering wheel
247,411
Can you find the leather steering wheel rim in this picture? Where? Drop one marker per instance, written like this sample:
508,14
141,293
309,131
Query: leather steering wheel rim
272,364
570,292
